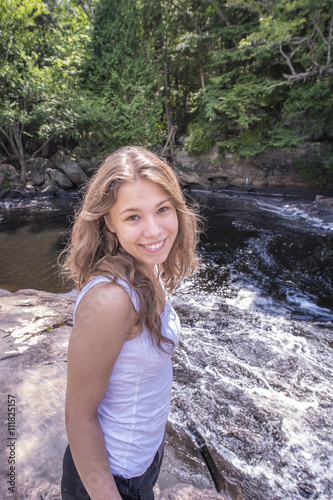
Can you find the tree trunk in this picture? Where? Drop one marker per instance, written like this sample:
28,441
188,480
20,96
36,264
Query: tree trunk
171,140
167,104
202,76
23,165
17,132
168,113
14,137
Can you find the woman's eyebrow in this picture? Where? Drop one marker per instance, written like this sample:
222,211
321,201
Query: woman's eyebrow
134,209
163,201
130,210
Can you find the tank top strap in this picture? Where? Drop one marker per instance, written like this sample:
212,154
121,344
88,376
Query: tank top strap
104,279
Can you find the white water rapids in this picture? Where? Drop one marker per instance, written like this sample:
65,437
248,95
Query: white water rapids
254,368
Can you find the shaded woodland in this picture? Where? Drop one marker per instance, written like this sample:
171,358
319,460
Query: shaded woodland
245,75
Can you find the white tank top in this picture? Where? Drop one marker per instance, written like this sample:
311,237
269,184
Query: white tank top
134,410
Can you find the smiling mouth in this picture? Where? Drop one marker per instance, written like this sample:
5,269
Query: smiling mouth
154,247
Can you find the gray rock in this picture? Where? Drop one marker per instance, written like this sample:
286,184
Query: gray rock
70,167
182,139
39,163
5,167
270,171
49,186
96,162
188,177
59,157
188,492
36,177
74,172
200,162
60,178
34,333
324,205
14,177
84,164
62,193
36,170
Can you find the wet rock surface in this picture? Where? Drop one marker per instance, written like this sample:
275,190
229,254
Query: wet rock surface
35,329
271,172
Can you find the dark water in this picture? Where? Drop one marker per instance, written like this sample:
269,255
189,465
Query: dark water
31,238
254,368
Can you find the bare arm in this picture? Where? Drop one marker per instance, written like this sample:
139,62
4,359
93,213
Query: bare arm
103,320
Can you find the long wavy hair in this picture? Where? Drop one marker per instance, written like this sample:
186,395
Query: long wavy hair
94,250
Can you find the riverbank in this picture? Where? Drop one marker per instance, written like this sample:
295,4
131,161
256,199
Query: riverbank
271,172
35,329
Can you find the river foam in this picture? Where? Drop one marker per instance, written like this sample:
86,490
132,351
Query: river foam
258,387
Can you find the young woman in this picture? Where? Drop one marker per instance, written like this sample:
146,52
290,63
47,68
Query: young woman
133,239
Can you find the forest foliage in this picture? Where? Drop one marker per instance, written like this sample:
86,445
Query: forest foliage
247,75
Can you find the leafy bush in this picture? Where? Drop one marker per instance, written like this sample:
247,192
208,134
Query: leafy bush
6,184
315,168
199,141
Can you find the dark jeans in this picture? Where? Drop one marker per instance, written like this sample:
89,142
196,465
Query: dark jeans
137,488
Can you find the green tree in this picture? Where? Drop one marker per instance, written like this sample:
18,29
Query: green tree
271,78
120,81
40,50
146,68
181,33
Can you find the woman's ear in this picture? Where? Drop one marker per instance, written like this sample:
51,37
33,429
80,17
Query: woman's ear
108,223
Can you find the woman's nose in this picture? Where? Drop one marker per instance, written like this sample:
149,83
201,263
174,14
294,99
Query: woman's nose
152,228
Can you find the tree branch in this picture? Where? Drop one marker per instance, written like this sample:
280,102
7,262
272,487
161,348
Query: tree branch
298,77
39,149
320,70
316,28
5,149
5,133
313,53
18,140
91,16
12,141
219,12
171,139
287,59
277,85
329,41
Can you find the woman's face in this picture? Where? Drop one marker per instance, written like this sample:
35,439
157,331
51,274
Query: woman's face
144,220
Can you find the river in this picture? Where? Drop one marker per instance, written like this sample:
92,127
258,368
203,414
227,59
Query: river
254,367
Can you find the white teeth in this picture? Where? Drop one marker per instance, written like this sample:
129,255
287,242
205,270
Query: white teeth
153,247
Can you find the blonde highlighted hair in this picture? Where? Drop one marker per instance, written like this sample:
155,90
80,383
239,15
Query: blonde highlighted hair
94,250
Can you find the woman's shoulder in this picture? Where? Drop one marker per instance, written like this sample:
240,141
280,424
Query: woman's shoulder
103,321
104,295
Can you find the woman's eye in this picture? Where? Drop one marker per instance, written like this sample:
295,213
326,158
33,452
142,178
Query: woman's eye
163,210
133,217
